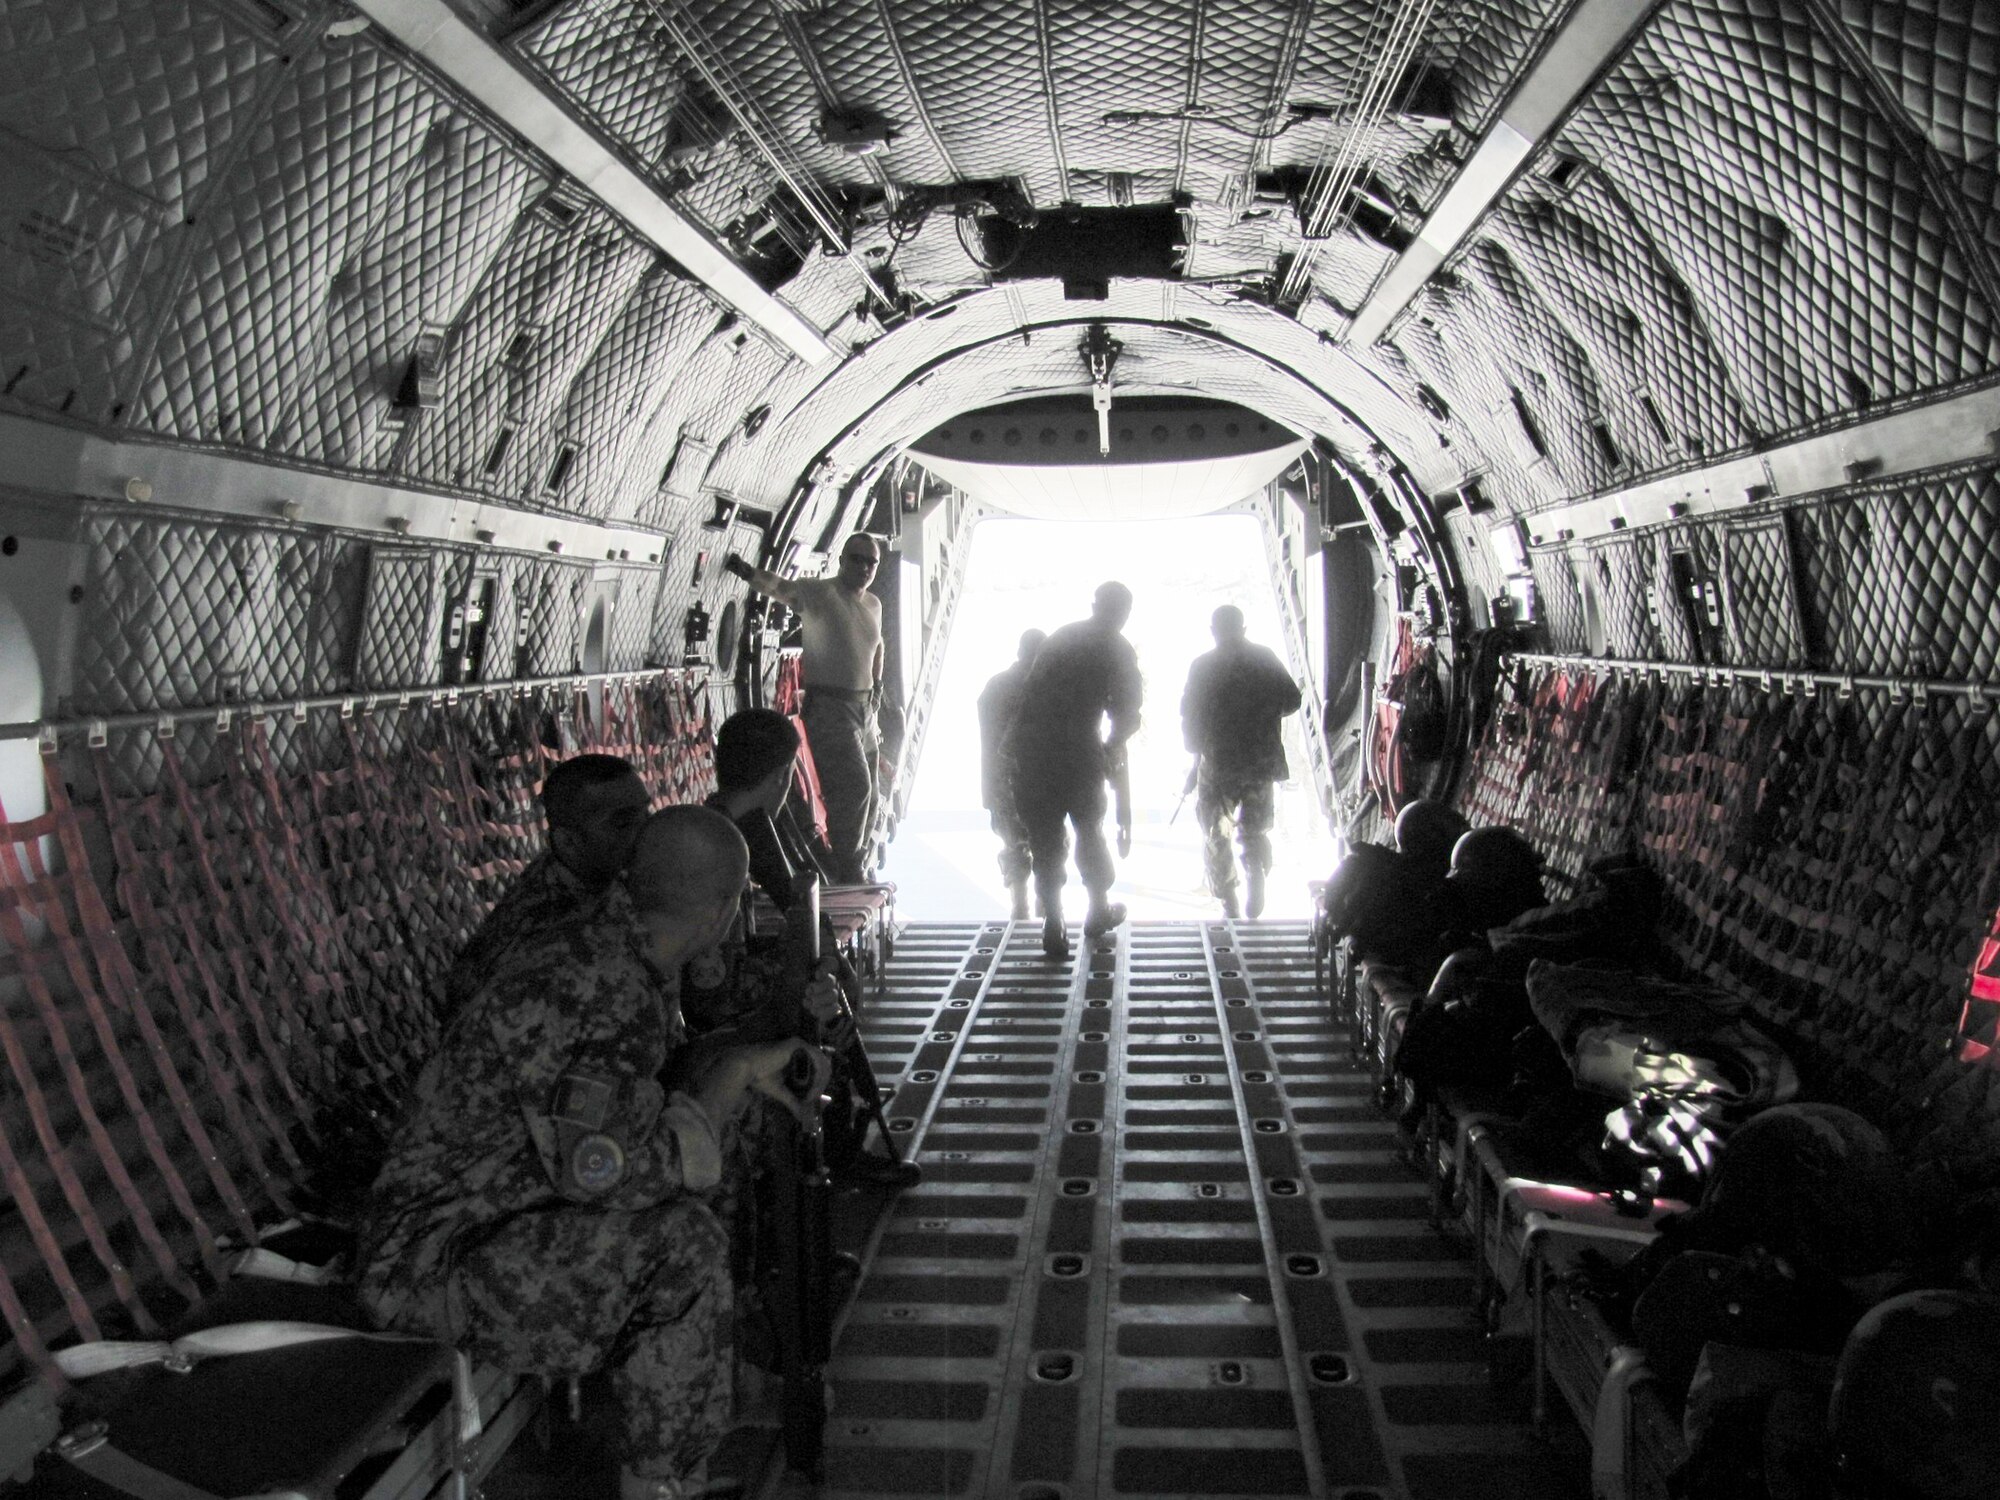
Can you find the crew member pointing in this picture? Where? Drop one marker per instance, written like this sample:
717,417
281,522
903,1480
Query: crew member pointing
843,681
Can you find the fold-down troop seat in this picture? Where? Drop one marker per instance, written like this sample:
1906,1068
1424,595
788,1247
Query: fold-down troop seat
221,937
1829,854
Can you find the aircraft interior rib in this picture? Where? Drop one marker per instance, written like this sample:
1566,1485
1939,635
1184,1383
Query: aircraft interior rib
402,400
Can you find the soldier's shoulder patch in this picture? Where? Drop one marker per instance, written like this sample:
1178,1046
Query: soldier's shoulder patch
596,1163
582,1099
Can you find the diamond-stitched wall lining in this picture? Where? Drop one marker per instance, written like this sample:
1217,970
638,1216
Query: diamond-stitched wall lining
400,638
1898,578
136,106
1760,595
1751,236
1823,856
1830,283
310,187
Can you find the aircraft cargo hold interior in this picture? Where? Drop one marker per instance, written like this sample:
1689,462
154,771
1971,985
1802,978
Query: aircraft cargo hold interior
1039,749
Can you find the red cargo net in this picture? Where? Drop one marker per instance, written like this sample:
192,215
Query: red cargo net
221,949
1979,1023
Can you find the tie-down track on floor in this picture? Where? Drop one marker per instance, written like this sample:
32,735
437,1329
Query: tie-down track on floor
1165,1243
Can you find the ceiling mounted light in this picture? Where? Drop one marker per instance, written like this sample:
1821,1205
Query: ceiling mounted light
857,135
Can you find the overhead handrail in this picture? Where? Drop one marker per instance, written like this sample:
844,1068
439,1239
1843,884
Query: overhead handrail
362,701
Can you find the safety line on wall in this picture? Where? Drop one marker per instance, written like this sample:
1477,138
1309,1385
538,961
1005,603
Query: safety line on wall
1785,679
222,714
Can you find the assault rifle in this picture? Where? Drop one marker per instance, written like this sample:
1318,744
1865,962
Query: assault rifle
797,1270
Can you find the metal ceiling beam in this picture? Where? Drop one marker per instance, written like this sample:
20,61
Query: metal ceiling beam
1956,429
1576,55
64,459
487,73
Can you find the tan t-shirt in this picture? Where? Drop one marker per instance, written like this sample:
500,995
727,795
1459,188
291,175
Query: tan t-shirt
843,631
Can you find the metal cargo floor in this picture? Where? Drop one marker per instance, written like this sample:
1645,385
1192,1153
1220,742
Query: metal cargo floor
1165,1244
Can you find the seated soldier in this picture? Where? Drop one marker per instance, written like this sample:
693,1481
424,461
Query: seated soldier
542,1201
755,753
594,805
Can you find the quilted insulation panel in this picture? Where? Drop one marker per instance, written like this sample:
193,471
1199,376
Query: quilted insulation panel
1767,216
1897,578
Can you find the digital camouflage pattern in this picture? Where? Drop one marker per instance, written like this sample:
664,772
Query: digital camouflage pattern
1245,805
545,897
540,1203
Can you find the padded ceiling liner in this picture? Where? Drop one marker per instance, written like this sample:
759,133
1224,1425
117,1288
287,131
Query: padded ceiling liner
1771,216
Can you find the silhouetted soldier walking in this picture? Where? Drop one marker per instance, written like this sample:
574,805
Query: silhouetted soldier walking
1232,718
1084,672
998,704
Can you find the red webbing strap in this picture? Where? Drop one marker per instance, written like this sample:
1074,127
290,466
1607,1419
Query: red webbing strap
316,955
698,738
64,1171
402,823
27,1337
805,780
230,941
181,898
99,992
21,893
364,873
790,686
124,988
237,1074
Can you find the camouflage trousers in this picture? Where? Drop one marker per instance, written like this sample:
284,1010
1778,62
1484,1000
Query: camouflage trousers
841,731
566,1290
1250,807
1015,860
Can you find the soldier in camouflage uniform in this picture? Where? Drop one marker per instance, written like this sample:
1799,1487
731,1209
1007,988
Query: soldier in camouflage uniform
542,1202
595,805
1232,717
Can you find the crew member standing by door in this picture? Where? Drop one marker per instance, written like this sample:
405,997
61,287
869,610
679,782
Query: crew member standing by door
1232,720
843,682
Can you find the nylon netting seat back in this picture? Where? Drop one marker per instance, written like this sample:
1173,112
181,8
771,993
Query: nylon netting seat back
1832,855
220,980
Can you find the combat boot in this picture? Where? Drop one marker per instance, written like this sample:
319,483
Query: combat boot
1102,917
1231,907
1055,941
1253,905
1019,891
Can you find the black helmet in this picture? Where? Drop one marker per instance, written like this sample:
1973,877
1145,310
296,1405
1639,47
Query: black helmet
1814,1183
1916,1398
1495,858
1426,830
1495,876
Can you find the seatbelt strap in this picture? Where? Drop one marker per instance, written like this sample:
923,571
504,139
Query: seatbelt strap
81,1361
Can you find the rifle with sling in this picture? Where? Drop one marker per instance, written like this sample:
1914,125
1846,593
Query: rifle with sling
797,1273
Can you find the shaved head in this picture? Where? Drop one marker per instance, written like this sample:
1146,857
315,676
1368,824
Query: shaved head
688,861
